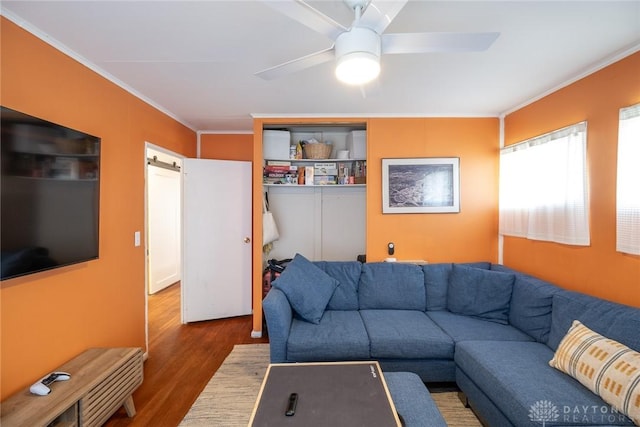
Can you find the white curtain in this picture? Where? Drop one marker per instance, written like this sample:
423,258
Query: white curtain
628,184
543,187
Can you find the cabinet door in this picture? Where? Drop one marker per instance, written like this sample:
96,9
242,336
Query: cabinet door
296,210
320,223
343,223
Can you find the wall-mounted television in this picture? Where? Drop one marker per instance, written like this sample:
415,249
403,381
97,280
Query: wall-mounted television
49,195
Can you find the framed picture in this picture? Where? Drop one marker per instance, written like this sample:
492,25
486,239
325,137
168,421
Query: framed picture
426,185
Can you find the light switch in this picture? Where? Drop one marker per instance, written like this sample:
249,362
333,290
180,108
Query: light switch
136,238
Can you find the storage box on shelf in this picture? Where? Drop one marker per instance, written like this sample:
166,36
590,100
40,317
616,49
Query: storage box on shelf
357,144
275,144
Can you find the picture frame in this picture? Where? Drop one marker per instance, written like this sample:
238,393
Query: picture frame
421,185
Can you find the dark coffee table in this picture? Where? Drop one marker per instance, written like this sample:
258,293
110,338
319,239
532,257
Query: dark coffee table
335,394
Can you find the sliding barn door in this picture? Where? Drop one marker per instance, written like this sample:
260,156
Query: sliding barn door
164,223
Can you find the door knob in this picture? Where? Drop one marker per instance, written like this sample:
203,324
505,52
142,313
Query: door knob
246,240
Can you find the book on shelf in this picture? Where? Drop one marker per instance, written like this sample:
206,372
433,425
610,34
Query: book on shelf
274,168
360,168
284,179
325,171
325,165
308,175
325,180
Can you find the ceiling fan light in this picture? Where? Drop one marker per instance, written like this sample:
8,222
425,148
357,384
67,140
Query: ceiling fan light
358,56
357,68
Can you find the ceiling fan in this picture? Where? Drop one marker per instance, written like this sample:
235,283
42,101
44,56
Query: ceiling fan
357,49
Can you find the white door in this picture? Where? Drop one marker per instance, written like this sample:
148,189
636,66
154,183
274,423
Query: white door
216,277
163,198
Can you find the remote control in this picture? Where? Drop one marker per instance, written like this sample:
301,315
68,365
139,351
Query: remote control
41,388
291,407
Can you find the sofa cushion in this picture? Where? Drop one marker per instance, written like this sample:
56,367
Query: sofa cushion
462,328
307,288
436,282
531,302
347,273
405,334
340,335
516,376
606,367
480,293
390,285
615,321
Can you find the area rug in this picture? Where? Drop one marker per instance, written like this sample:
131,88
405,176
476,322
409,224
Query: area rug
230,395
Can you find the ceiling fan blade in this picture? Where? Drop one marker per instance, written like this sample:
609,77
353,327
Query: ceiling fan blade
296,65
379,14
437,42
302,12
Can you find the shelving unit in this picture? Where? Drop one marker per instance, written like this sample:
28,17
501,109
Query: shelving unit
320,221
343,168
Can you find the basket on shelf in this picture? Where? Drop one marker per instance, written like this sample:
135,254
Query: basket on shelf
318,150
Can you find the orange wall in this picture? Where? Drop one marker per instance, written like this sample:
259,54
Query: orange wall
48,318
470,235
598,269
226,146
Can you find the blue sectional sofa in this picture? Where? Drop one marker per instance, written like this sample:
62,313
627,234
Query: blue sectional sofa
490,329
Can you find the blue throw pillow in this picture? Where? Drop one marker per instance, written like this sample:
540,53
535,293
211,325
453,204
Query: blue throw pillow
480,293
307,288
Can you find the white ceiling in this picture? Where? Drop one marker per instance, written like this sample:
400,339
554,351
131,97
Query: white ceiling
196,59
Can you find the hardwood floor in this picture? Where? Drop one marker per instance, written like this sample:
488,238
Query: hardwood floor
182,359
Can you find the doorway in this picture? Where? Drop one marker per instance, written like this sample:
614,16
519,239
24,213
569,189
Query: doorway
163,222
164,218
209,231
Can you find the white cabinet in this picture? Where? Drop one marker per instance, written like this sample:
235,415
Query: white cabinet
343,223
322,222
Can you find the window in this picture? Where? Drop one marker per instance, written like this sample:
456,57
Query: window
628,184
543,187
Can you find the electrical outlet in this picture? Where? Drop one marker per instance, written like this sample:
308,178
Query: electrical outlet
136,238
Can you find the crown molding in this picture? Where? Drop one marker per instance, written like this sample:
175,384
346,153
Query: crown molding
84,61
591,69
366,115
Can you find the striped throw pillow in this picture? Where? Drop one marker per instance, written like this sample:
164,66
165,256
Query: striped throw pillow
606,367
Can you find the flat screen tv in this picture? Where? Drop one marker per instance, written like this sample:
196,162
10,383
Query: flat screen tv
49,195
